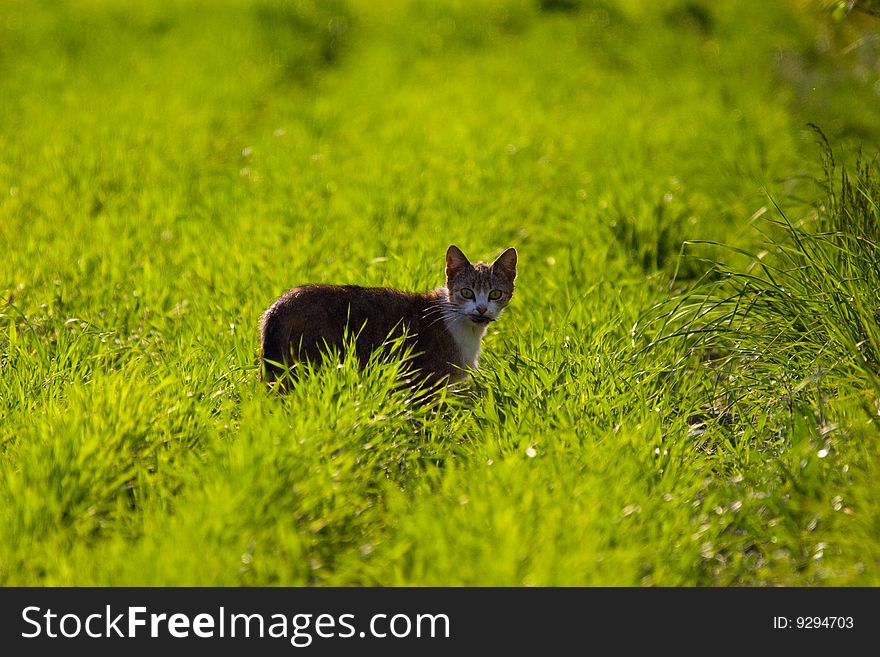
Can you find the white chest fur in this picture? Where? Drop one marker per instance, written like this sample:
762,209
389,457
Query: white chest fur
467,336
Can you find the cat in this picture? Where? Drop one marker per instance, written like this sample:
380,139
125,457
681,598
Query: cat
444,327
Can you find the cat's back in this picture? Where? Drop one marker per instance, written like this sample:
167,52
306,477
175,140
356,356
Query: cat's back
333,303
306,320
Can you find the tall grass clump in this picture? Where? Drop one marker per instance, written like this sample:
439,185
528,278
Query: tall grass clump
800,314
783,342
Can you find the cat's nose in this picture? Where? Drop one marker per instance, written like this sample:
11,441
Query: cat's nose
481,308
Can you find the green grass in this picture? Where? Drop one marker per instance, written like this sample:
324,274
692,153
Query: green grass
168,168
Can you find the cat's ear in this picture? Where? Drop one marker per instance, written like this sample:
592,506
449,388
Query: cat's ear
456,261
506,264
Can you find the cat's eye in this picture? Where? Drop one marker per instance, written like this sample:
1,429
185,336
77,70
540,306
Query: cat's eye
494,295
467,293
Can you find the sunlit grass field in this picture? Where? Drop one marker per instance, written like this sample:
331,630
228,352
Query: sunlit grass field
683,392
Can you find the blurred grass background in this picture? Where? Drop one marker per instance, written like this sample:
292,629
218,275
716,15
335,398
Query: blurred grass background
168,168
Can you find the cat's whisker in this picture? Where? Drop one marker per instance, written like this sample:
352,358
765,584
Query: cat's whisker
448,315
443,318
433,311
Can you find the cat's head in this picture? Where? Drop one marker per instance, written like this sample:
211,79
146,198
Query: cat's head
479,291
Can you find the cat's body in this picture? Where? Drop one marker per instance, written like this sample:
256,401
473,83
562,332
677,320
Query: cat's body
443,327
